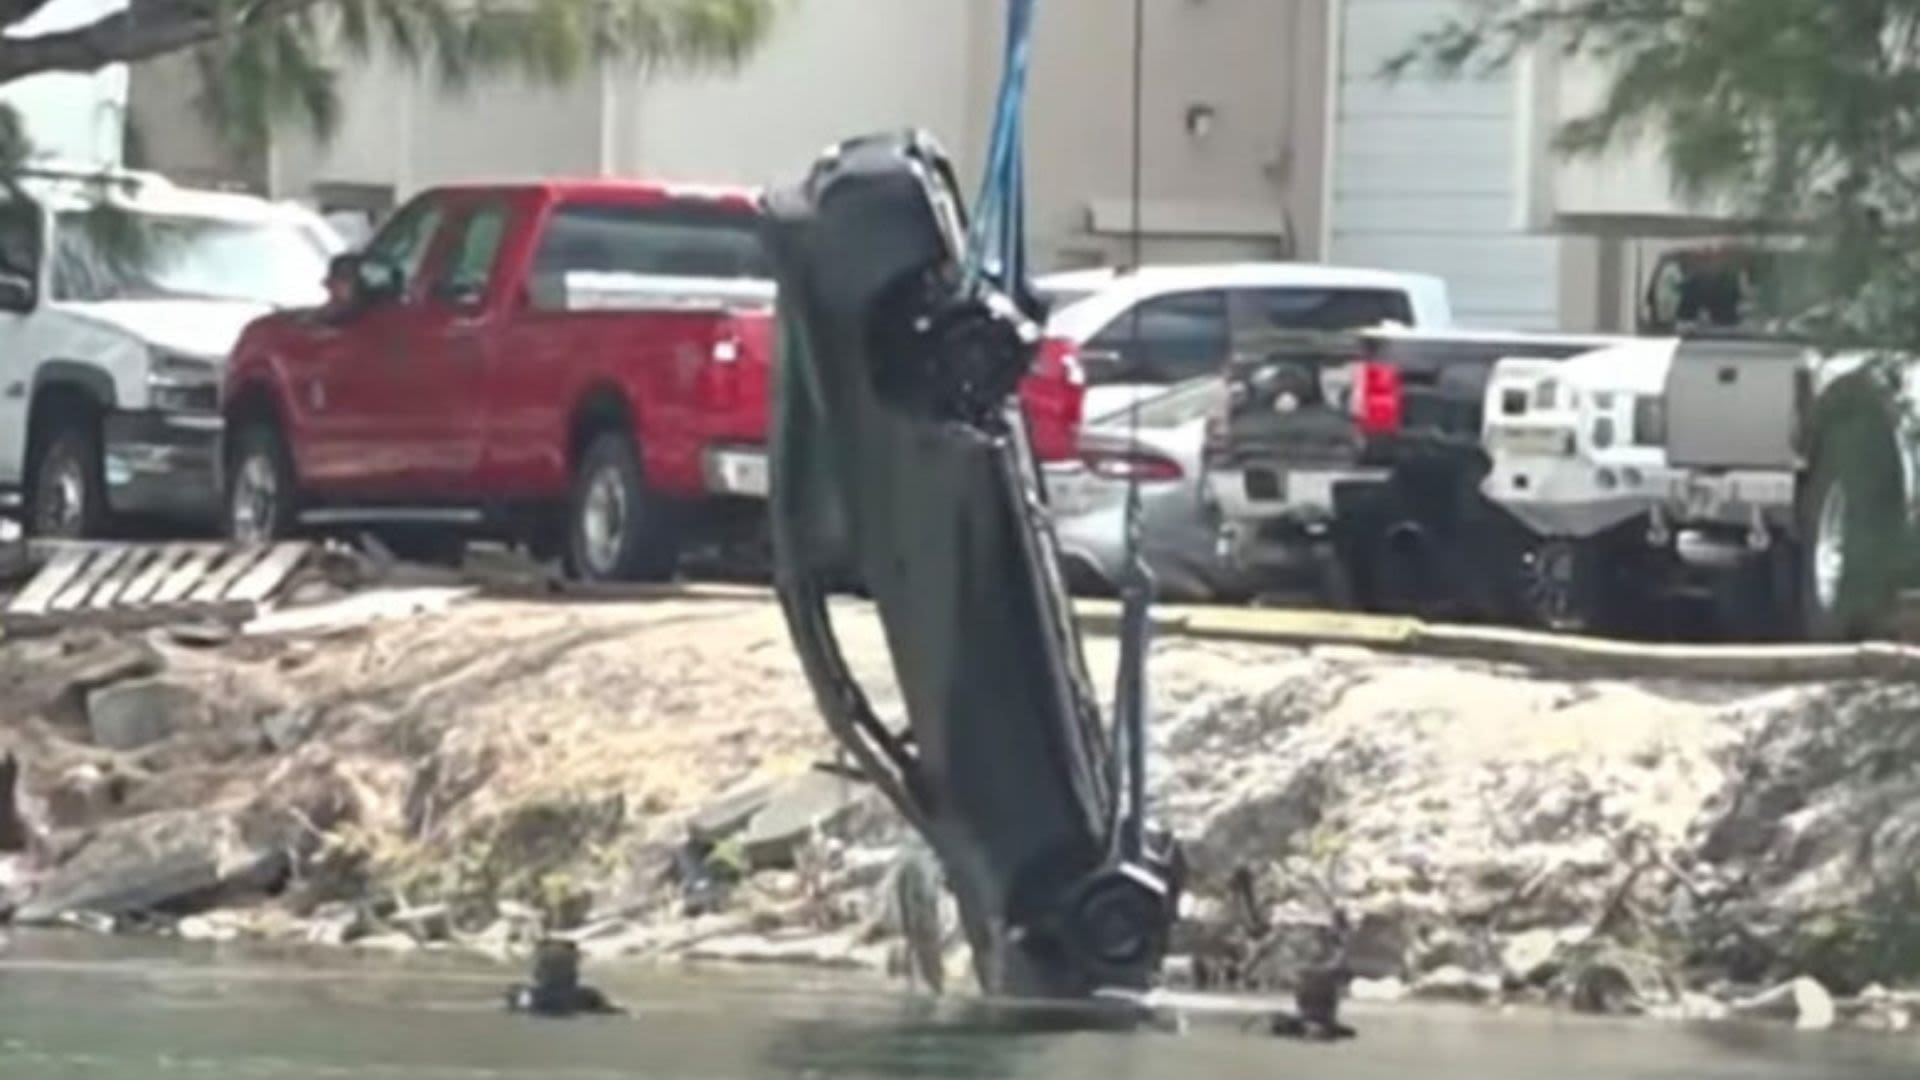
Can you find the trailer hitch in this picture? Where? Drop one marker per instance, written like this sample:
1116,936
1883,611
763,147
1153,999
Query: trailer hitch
901,470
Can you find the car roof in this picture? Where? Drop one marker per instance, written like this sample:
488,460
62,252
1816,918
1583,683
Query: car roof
1113,290
1231,275
565,189
149,193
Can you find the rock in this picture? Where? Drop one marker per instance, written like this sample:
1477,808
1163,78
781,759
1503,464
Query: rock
335,924
288,728
1532,956
201,635
1388,989
206,928
131,715
1885,1015
86,665
1802,1000
1451,983
1614,981
831,951
177,859
796,811
17,882
392,941
428,922
729,813
1691,1008
83,794
1380,943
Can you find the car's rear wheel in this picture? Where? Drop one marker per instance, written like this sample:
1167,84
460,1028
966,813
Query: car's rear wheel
1852,528
262,499
617,529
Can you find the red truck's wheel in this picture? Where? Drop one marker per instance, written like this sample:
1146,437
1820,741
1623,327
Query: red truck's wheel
616,529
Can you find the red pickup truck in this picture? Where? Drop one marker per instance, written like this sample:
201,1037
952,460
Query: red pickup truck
581,366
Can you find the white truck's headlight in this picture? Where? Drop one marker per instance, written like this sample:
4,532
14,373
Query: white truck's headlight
177,382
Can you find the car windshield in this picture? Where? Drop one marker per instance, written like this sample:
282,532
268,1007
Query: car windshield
138,256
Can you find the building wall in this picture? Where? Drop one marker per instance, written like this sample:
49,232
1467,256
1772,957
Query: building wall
1427,174
832,69
1250,188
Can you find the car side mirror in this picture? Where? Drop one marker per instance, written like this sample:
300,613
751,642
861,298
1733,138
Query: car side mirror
356,280
16,291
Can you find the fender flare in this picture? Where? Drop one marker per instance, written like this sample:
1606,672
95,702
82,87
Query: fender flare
89,379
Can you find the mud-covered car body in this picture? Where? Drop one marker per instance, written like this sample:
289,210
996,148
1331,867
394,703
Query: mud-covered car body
901,468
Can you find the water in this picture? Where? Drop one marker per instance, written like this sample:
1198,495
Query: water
89,1009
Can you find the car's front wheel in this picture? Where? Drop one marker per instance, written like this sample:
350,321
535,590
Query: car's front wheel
618,530
68,498
261,498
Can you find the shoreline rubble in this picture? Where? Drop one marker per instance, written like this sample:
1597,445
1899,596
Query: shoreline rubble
644,778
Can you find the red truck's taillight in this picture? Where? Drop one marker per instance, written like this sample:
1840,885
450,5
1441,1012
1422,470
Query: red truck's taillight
1378,398
1055,395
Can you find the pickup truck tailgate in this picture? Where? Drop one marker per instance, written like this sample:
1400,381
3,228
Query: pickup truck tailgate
1736,404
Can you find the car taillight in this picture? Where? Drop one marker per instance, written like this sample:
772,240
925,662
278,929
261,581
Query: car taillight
1055,395
1140,466
1378,399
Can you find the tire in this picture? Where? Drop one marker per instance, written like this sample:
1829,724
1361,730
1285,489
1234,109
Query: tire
1852,527
617,530
68,495
262,499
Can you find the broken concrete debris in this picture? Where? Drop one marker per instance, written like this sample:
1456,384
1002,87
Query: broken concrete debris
1680,853
131,715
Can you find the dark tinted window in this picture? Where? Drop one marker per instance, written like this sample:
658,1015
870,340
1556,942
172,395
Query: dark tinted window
1167,339
678,241
1320,309
404,240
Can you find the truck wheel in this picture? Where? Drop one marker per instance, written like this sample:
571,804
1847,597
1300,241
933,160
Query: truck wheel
1852,524
616,529
68,499
262,496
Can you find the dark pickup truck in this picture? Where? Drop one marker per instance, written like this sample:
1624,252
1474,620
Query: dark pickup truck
1349,465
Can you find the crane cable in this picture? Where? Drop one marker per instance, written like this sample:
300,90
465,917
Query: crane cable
997,256
996,244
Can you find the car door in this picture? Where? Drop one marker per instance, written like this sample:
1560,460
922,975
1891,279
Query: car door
452,341
21,230
358,390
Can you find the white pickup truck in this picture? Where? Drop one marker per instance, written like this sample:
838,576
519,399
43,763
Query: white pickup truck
1774,481
114,327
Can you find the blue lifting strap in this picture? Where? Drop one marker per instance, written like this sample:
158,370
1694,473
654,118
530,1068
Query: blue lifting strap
996,249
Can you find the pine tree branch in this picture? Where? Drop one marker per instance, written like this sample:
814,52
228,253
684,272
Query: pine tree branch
146,29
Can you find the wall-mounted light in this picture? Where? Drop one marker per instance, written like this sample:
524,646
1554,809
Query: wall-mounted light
1200,121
